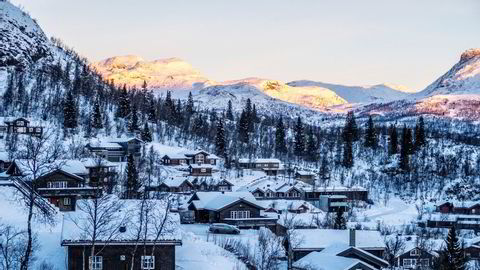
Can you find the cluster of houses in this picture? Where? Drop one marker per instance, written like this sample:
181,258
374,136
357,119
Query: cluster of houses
20,125
462,215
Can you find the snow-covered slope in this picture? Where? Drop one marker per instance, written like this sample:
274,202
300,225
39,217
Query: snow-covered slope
162,74
462,78
359,94
22,41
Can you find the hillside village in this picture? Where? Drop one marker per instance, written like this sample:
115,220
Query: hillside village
97,174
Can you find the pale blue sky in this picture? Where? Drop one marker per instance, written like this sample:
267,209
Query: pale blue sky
408,42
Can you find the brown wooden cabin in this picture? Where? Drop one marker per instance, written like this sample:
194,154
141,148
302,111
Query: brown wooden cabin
20,125
117,255
200,169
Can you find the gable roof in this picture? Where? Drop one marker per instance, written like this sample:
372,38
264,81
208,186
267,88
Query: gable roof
216,201
328,261
259,160
70,166
313,239
96,162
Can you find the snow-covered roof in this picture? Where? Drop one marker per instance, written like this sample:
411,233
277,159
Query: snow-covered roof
218,200
322,238
276,185
104,144
338,188
4,156
123,139
306,173
175,181
259,160
95,162
329,259
176,156
127,216
70,166
200,166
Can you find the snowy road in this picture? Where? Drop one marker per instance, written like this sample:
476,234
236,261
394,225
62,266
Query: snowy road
396,212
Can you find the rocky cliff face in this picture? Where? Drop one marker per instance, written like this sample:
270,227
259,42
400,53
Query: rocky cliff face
22,41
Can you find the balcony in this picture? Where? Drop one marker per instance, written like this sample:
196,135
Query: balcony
69,191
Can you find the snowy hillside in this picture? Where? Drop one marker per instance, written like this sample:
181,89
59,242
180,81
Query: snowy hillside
162,74
22,40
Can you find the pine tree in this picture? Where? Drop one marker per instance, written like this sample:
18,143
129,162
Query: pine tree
393,140
419,134
324,171
97,121
20,91
190,106
220,142
350,131
280,144
132,184
370,134
311,153
169,108
243,127
146,134
229,111
133,121
452,257
299,146
255,117
123,103
69,112
340,222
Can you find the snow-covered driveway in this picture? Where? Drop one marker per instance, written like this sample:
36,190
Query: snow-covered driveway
396,212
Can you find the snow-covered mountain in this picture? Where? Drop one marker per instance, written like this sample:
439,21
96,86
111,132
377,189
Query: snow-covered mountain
359,94
462,78
161,74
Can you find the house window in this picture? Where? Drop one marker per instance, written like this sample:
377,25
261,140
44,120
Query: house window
425,262
223,188
67,201
414,252
183,161
409,263
148,262
30,130
199,159
57,184
203,170
96,262
38,129
212,161
239,214
20,123
21,130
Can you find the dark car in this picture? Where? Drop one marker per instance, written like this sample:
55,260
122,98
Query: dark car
223,228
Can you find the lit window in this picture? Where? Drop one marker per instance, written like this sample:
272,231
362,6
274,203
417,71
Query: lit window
203,170
67,201
96,262
148,262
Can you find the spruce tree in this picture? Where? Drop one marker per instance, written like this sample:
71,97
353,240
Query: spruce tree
324,171
123,103
393,140
370,134
152,110
169,108
190,106
311,152
220,143
229,111
299,146
69,111
249,115
347,154
133,121
280,144
243,127
146,134
132,183
452,257
97,121
419,134
340,222
350,131
255,117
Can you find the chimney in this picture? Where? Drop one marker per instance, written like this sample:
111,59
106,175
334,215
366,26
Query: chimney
352,238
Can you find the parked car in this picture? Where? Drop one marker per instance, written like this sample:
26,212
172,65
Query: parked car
223,228
187,217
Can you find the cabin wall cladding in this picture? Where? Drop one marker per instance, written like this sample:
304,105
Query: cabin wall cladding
254,212
113,255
